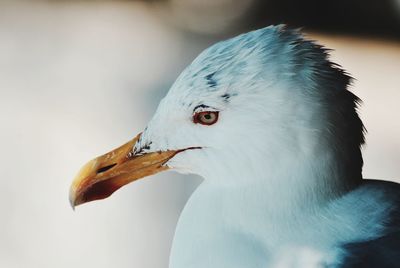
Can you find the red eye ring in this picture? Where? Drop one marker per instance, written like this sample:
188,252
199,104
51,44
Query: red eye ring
206,118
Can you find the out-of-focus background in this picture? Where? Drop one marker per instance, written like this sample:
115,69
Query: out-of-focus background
78,78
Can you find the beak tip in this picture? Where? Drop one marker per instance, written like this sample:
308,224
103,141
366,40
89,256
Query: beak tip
71,202
72,199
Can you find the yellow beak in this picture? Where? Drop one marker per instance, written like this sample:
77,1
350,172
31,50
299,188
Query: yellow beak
102,176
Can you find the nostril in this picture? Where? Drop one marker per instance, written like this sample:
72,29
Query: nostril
103,169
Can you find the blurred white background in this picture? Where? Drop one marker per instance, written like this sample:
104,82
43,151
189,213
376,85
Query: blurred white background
79,78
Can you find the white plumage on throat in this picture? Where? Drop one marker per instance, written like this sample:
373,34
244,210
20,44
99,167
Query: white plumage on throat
287,143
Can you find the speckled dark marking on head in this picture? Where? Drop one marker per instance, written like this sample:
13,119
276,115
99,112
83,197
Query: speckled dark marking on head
210,80
139,151
226,97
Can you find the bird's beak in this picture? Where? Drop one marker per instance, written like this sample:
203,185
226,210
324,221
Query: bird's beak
102,176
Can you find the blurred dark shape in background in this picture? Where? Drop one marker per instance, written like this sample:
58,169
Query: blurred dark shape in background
360,17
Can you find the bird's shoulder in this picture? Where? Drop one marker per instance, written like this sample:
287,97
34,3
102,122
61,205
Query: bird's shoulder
383,250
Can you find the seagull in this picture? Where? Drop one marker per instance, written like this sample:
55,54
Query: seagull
266,118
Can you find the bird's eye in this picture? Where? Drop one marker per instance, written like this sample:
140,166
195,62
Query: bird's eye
205,118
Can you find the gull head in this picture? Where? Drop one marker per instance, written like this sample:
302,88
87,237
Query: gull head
258,107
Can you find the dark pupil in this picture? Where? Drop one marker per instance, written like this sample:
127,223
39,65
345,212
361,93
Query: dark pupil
207,116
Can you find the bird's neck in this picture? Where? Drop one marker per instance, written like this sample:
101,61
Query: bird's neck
283,185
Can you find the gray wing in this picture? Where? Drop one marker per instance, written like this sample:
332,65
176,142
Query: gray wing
383,252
